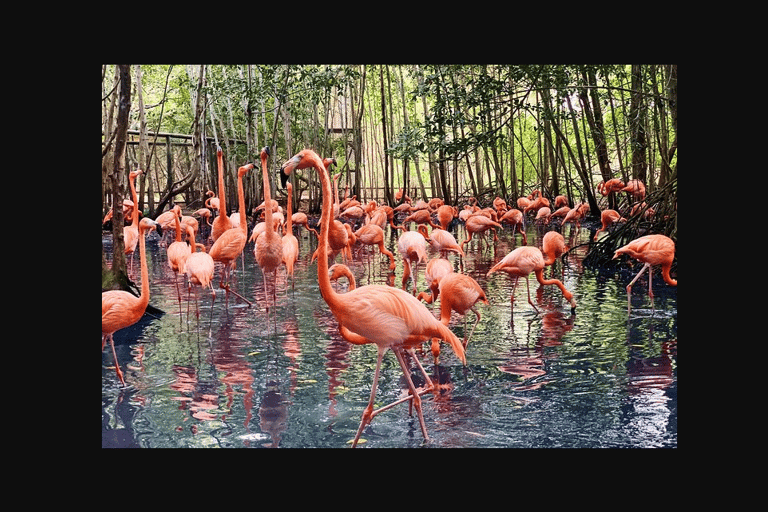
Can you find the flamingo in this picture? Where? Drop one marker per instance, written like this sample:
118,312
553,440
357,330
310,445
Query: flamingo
199,269
635,188
651,250
383,315
520,263
165,219
608,217
373,234
612,185
442,241
422,216
445,215
437,268
121,309
412,247
222,222
542,214
230,244
339,270
131,232
269,246
178,252
212,202
290,242
301,219
479,224
515,218
459,293
552,247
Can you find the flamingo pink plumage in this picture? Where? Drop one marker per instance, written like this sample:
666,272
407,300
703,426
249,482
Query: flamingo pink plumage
269,246
383,315
121,309
651,250
520,263
230,244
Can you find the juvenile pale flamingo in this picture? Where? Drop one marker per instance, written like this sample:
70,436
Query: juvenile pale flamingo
269,245
386,316
178,252
520,263
459,293
121,309
222,222
651,250
412,247
608,217
199,268
290,242
230,244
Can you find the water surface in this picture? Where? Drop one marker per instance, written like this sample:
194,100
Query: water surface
239,378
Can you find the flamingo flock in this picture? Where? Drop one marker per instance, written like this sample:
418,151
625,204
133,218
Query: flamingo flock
392,318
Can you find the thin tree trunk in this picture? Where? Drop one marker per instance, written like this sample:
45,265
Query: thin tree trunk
119,276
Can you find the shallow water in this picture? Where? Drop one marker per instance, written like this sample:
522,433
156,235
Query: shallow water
237,378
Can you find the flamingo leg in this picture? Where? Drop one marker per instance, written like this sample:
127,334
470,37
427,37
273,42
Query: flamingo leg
117,363
528,286
477,313
629,287
416,398
368,412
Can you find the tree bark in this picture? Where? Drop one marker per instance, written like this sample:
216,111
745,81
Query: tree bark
119,277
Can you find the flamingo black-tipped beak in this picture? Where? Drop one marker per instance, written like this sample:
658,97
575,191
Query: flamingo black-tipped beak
283,177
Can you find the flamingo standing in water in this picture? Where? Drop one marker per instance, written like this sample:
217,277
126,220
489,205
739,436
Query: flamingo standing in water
383,315
290,242
412,246
121,309
479,224
516,219
459,293
651,250
199,268
230,244
373,234
131,232
520,263
222,222
178,252
269,246
442,241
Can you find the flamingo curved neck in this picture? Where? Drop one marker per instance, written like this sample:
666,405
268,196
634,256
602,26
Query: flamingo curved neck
144,297
241,199
267,199
222,195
